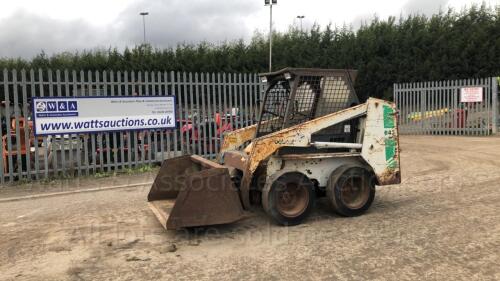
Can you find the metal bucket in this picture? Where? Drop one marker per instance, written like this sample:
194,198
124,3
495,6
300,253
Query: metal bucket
192,191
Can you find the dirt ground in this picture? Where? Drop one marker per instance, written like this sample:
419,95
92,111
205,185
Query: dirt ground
442,222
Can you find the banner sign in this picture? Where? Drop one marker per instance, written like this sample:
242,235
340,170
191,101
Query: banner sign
70,115
471,94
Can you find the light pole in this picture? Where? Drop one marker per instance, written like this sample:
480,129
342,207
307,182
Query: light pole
270,3
144,14
301,18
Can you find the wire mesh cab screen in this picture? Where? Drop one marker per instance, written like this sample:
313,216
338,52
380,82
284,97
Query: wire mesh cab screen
274,109
304,96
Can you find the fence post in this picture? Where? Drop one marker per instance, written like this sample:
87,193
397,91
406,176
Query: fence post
494,92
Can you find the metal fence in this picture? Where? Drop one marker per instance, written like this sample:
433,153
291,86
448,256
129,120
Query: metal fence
207,106
435,108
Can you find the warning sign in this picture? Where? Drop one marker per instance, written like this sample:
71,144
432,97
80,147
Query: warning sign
471,94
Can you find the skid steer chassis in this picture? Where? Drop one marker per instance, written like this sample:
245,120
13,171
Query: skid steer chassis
312,138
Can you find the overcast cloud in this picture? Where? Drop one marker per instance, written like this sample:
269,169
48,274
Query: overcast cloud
426,7
174,21
55,26
25,34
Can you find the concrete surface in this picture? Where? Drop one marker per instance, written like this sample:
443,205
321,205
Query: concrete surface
442,223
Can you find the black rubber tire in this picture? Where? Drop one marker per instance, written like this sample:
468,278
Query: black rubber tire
307,197
343,182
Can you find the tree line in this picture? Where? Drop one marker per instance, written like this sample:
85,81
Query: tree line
447,45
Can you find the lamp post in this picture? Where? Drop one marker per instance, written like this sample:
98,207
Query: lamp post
301,18
270,3
144,14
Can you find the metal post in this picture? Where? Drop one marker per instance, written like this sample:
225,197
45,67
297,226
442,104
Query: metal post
144,14
301,18
494,93
144,28
270,36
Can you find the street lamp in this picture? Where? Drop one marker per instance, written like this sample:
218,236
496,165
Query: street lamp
144,14
270,3
301,18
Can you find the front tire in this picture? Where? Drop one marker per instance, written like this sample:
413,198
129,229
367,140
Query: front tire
290,199
351,190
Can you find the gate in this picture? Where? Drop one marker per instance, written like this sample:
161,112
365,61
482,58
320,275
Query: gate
207,105
455,107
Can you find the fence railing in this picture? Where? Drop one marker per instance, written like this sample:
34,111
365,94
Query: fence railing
436,108
208,105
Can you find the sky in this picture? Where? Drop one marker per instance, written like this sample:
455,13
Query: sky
29,26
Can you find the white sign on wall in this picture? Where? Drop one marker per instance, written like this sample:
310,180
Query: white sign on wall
471,94
58,115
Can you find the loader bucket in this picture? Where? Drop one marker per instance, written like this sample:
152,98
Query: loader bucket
192,191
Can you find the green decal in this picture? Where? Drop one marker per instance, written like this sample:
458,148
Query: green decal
388,117
390,142
390,149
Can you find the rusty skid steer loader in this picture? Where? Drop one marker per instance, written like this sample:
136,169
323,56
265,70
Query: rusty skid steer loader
313,139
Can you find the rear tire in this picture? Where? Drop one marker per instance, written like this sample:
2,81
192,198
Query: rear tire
290,198
351,190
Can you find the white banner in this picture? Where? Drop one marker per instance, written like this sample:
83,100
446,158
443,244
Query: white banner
471,94
58,115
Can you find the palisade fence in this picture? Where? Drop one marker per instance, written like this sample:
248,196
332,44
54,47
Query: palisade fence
436,108
207,104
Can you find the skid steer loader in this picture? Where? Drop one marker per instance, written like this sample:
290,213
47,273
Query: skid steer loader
312,139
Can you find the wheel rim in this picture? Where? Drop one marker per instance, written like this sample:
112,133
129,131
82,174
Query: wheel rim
354,192
292,200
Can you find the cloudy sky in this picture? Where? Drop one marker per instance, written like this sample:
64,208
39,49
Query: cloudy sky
29,26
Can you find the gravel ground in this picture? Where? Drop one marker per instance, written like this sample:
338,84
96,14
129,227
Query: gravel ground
442,222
